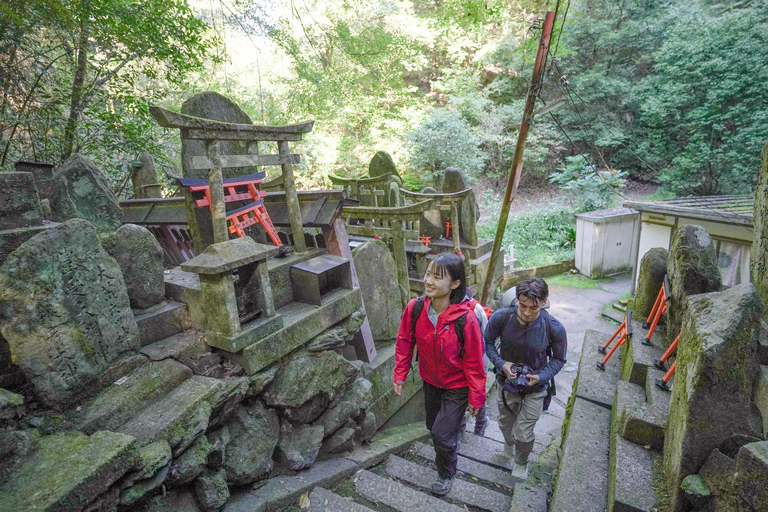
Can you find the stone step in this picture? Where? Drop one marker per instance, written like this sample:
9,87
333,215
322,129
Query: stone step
656,396
636,357
492,457
184,344
462,491
634,418
618,306
181,415
630,485
280,491
528,498
613,316
582,483
595,385
398,496
162,321
67,471
321,500
123,399
470,467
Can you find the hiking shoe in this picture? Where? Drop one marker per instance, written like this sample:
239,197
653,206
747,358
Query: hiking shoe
480,428
442,485
521,471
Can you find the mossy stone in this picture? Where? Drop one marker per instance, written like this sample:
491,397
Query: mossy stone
653,268
211,489
8,399
67,471
759,260
253,435
190,463
695,489
716,368
692,270
380,164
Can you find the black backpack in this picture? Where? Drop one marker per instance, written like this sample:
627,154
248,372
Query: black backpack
458,325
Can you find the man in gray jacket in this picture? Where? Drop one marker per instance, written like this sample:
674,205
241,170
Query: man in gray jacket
528,336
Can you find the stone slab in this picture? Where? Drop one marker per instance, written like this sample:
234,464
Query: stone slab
470,467
19,201
180,416
492,430
528,498
386,444
124,398
11,239
595,385
635,363
321,500
461,492
586,446
186,344
487,455
67,471
302,323
280,491
631,478
160,323
393,494
253,330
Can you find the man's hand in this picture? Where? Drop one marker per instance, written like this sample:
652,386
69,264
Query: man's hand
398,388
533,380
507,368
472,410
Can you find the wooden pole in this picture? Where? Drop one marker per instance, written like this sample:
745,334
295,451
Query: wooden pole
292,199
517,162
216,188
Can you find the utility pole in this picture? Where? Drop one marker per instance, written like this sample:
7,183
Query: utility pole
517,161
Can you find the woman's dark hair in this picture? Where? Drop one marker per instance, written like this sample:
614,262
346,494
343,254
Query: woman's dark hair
454,266
535,288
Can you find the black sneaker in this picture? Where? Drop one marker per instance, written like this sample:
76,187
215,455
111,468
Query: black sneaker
442,485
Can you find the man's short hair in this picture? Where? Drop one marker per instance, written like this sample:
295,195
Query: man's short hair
534,288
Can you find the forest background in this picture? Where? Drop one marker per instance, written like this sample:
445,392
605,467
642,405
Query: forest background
653,91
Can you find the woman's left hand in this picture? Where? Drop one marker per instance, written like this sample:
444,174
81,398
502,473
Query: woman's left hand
533,380
472,410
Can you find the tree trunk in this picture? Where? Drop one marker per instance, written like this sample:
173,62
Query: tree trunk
77,91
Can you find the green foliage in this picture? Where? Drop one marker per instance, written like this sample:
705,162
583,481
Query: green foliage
705,103
79,76
593,189
541,236
444,139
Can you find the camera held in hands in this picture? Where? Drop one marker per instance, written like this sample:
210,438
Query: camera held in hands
519,384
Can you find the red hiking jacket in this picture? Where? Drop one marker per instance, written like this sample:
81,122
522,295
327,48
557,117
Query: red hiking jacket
439,361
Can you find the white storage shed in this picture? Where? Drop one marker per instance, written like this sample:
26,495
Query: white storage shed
606,241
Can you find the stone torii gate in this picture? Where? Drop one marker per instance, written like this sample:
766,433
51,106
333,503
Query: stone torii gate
212,133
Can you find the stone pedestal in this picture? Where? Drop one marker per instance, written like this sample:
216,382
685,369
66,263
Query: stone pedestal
220,266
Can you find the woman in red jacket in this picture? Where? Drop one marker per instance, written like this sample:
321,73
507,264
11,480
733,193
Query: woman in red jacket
454,378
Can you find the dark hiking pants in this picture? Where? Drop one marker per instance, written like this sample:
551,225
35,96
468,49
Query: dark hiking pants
445,409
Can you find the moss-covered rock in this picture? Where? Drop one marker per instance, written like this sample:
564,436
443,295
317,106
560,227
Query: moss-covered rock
151,458
759,260
377,272
64,311
716,368
751,478
80,190
253,435
653,268
67,471
692,269
381,164
299,445
190,463
140,257
352,402
8,399
211,489
308,382
695,490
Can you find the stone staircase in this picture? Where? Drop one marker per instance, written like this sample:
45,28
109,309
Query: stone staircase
615,430
403,482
